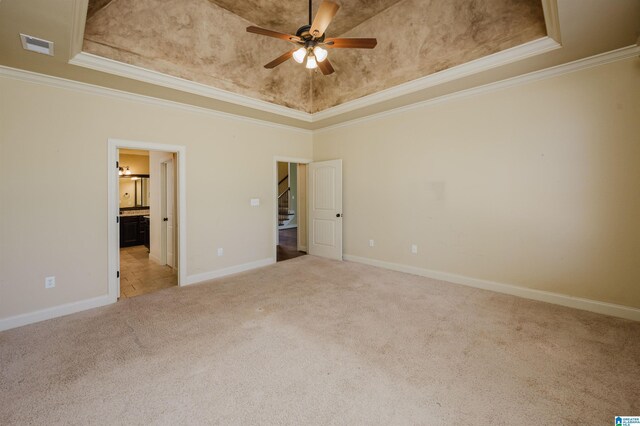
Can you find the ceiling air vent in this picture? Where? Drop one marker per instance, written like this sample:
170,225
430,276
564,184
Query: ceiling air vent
36,44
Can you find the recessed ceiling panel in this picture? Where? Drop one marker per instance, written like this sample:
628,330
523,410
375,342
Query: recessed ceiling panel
206,41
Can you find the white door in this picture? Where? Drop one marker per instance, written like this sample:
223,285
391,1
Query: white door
168,215
325,209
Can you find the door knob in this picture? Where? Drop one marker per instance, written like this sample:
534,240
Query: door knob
338,214
166,219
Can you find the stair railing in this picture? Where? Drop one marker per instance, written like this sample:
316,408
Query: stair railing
283,200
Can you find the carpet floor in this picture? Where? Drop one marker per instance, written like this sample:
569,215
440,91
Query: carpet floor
314,341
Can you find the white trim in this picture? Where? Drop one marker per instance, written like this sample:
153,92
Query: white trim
523,51
274,197
596,60
206,276
580,64
54,312
77,30
504,57
155,259
535,47
552,19
113,227
110,66
63,83
287,227
620,311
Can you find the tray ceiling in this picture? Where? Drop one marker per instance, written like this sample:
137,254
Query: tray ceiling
205,41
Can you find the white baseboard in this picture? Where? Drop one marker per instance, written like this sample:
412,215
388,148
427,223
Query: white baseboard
205,276
54,312
155,259
605,308
302,248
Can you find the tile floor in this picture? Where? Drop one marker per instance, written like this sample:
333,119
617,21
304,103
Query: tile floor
140,275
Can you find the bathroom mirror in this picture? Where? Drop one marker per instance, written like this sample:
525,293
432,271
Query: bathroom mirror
134,191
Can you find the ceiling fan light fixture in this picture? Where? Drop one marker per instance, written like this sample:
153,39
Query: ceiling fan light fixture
311,62
320,53
299,55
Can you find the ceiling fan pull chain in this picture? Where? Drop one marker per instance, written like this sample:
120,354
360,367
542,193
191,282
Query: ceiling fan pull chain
310,17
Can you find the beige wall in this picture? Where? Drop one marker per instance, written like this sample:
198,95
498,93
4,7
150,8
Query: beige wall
293,194
302,206
47,228
536,185
126,188
138,164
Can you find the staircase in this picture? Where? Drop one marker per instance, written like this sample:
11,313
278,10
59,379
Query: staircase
284,214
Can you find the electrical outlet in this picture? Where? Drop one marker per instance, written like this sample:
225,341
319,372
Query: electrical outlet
220,251
372,243
414,248
50,282
255,202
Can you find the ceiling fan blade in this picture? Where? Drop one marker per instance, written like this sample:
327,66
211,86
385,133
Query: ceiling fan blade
280,59
353,43
274,34
326,67
326,12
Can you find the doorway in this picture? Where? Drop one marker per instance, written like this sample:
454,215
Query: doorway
147,249
318,200
290,215
146,185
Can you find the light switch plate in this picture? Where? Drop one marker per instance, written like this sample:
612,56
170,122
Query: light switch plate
414,248
255,202
220,251
50,282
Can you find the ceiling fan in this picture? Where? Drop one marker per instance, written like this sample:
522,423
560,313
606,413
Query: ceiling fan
311,40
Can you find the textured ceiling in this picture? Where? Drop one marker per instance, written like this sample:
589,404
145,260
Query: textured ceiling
206,41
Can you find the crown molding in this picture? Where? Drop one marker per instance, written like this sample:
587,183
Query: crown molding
601,59
134,72
77,30
552,19
504,57
593,61
63,83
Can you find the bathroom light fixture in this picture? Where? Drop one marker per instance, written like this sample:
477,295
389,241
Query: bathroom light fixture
123,171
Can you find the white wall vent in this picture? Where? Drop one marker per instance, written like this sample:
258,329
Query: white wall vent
36,44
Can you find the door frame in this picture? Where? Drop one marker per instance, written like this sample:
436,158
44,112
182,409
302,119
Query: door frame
113,203
274,198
